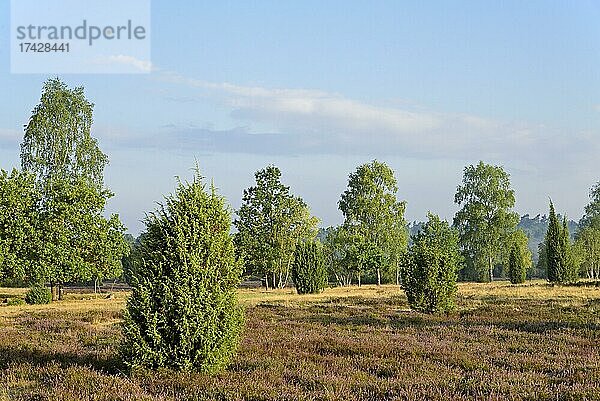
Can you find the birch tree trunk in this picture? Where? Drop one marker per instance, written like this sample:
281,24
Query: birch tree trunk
54,291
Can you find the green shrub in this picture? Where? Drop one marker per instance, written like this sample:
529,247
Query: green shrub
38,294
15,302
519,257
430,270
308,270
183,312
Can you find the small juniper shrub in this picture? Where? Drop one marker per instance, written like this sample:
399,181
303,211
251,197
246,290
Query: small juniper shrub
38,294
183,312
430,270
308,270
15,302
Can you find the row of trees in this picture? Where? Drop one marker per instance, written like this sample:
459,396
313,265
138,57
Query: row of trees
272,223
373,239
587,238
491,240
182,312
53,229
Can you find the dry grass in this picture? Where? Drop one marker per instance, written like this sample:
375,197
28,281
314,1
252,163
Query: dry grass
504,342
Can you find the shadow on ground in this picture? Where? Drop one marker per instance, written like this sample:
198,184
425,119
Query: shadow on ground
13,355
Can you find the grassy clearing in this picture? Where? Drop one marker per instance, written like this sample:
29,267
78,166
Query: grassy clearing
504,342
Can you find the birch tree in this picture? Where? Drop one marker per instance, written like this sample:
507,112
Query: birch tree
587,247
485,219
270,222
76,242
374,215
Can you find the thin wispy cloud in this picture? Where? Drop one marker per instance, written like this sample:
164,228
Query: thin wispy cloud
306,121
128,61
328,110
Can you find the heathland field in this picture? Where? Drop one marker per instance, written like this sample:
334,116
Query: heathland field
531,341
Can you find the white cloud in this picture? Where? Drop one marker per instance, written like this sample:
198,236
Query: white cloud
314,121
326,109
141,65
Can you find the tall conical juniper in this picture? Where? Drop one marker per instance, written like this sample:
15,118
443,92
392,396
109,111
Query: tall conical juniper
560,266
183,312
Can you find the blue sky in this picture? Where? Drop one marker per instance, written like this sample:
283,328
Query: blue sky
320,87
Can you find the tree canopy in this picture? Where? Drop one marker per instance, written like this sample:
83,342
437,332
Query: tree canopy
519,257
587,247
18,225
591,215
57,143
270,222
62,182
485,219
308,270
560,262
375,217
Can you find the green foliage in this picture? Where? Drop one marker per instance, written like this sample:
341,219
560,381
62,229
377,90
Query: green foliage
18,200
57,142
80,243
348,255
535,228
183,312
38,294
587,248
430,269
554,258
591,216
337,246
570,263
308,270
560,262
271,221
15,302
374,218
71,240
587,239
485,219
132,257
542,264
519,257
60,237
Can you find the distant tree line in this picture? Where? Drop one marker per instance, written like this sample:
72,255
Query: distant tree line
374,241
